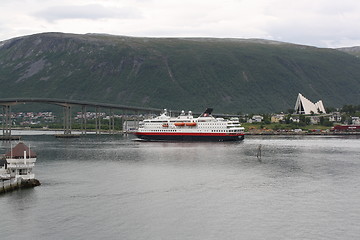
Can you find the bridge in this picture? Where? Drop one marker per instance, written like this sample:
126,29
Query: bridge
69,104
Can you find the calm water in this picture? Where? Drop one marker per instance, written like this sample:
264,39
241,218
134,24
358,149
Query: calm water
111,187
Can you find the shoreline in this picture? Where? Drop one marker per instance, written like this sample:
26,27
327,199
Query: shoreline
280,133
303,133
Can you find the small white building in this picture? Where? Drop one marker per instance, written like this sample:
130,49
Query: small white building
19,164
355,120
277,118
314,119
335,117
256,119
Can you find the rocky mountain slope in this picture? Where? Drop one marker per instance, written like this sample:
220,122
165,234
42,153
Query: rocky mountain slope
230,75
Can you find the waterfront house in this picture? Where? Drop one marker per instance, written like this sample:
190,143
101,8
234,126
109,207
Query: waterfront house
20,161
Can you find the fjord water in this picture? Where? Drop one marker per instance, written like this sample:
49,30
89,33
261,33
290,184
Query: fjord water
111,187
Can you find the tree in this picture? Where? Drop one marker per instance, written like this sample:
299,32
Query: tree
302,119
330,109
267,118
350,109
288,119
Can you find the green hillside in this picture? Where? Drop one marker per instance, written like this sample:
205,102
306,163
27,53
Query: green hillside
351,50
230,75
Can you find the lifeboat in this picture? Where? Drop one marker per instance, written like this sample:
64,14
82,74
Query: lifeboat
165,125
191,124
179,124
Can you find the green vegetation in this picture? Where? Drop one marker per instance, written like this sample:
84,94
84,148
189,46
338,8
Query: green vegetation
304,123
230,75
282,127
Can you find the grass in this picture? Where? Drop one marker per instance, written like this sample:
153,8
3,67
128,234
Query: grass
282,126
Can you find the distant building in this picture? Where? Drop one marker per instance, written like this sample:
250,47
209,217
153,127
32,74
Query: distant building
130,125
314,119
256,119
355,120
305,106
335,117
277,118
295,119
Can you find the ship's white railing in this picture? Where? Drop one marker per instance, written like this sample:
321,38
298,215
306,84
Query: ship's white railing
26,177
20,160
20,166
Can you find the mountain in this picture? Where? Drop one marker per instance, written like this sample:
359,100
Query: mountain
230,75
351,50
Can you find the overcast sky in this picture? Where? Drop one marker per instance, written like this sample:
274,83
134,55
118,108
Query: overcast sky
321,23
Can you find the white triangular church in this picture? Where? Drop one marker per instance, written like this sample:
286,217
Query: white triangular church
305,106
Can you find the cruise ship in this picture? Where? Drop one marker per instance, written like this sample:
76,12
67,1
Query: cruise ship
186,127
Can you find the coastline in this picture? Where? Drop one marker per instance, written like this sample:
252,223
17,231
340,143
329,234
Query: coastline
302,133
25,131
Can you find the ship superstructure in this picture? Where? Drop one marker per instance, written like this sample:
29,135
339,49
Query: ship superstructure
186,127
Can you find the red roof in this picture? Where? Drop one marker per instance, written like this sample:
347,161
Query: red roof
18,152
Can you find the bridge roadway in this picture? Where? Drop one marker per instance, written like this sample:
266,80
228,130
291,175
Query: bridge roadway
67,104
62,102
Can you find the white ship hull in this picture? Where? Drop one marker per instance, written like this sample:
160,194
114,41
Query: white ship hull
188,128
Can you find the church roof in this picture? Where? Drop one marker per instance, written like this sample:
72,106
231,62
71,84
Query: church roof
305,106
18,152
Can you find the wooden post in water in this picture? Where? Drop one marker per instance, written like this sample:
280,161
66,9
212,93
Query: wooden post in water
258,155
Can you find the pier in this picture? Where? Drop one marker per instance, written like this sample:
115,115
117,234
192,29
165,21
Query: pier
11,184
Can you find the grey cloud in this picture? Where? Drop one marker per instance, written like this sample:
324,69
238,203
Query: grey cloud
91,11
315,35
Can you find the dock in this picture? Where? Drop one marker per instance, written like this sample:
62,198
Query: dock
11,184
67,135
10,138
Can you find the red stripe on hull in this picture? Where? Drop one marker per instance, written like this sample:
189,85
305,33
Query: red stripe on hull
188,134
172,136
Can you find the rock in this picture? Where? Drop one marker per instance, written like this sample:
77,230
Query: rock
30,183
